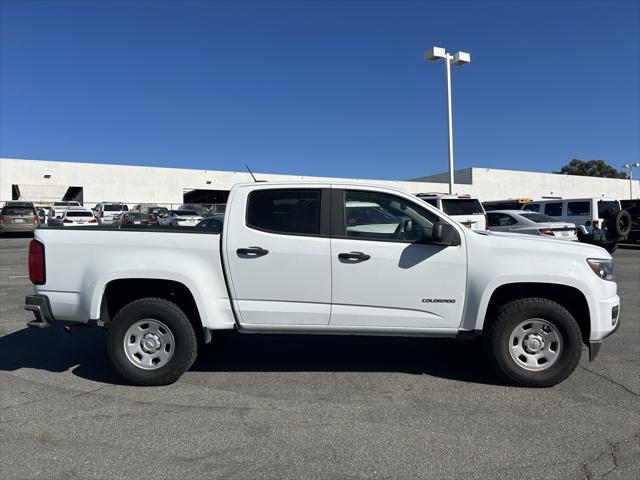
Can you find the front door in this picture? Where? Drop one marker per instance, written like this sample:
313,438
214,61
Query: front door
384,271
278,255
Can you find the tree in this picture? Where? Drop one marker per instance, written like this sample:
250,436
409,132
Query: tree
591,168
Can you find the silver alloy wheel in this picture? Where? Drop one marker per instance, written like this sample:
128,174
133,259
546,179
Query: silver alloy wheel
535,344
149,344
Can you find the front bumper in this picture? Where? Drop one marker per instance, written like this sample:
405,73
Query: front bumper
610,316
39,305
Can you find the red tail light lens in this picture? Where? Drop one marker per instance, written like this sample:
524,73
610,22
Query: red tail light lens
546,231
35,218
36,263
596,224
1,218
93,220
66,220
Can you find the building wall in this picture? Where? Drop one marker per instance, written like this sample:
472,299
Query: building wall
133,184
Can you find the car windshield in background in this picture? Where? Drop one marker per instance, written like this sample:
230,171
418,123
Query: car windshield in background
184,213
461,206
115,208
539,217
18,211
607,207
79,214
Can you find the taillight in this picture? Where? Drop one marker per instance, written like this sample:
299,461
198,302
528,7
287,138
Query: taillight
595,224
36,263
546,231
66,220
1,218
486,221
93,220
35,218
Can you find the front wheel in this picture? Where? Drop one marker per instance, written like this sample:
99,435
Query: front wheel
534,342
151,342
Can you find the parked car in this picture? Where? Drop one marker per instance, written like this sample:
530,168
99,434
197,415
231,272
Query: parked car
78,217
287,262
153,214
633,207
18,217
599,220
464,209
56,211
511,204
530,223
211,221
107,212
131,218
198,208
179,218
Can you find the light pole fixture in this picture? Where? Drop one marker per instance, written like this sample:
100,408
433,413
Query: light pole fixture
630,167
457,60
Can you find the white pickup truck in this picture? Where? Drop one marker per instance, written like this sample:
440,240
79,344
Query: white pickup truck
326,259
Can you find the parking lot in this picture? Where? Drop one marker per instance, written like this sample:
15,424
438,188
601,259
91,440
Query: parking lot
291,406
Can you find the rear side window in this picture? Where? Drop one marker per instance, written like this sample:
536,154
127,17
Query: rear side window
538,217
553,209
461,206
430,201
500,220
288,211
578,209
532,207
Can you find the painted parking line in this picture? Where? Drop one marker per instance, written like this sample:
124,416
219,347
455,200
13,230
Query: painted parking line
19,276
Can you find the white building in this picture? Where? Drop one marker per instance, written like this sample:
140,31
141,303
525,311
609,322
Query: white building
45,181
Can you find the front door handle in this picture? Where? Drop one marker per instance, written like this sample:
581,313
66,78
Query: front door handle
354,256
252,252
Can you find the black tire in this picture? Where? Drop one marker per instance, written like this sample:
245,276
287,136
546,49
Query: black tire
185,345
511,315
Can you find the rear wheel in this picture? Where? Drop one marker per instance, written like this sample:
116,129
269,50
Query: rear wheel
151,342
534,342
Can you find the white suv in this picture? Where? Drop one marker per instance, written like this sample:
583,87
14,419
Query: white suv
108,212
464,209
599,220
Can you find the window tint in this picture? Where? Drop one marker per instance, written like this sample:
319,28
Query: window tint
379,216
430,201
289,211
532,207
578,209
462,206
184,213
113,208
554,209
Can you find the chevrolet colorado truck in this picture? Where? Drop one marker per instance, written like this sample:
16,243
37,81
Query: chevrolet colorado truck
322,258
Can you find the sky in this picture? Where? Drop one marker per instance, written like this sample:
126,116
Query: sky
319,88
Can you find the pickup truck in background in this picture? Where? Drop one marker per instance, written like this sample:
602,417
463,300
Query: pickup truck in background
322,258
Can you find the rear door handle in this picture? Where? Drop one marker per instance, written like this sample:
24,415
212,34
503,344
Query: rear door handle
354,256
252,251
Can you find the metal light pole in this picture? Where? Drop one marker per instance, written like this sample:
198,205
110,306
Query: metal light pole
630,167
459,59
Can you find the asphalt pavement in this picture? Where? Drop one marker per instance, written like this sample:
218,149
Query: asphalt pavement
292,406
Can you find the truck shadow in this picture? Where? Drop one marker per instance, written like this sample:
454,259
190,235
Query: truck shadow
84,352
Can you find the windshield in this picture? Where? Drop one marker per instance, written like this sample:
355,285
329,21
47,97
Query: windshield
79,214
607,207
538,217
461,206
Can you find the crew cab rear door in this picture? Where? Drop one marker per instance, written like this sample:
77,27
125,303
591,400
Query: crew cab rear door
384,273
277,254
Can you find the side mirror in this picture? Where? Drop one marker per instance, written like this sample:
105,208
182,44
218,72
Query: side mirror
444,234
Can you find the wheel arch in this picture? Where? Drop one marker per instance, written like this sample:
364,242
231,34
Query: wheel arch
569,297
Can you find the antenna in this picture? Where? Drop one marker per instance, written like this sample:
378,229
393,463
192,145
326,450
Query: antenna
252,175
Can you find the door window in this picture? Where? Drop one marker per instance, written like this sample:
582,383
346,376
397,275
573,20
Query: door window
285,211
379,216
553,209
532,207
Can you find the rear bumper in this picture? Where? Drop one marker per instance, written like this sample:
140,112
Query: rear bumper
12,227
41,308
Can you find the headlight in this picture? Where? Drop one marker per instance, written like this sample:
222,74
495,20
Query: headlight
602,268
